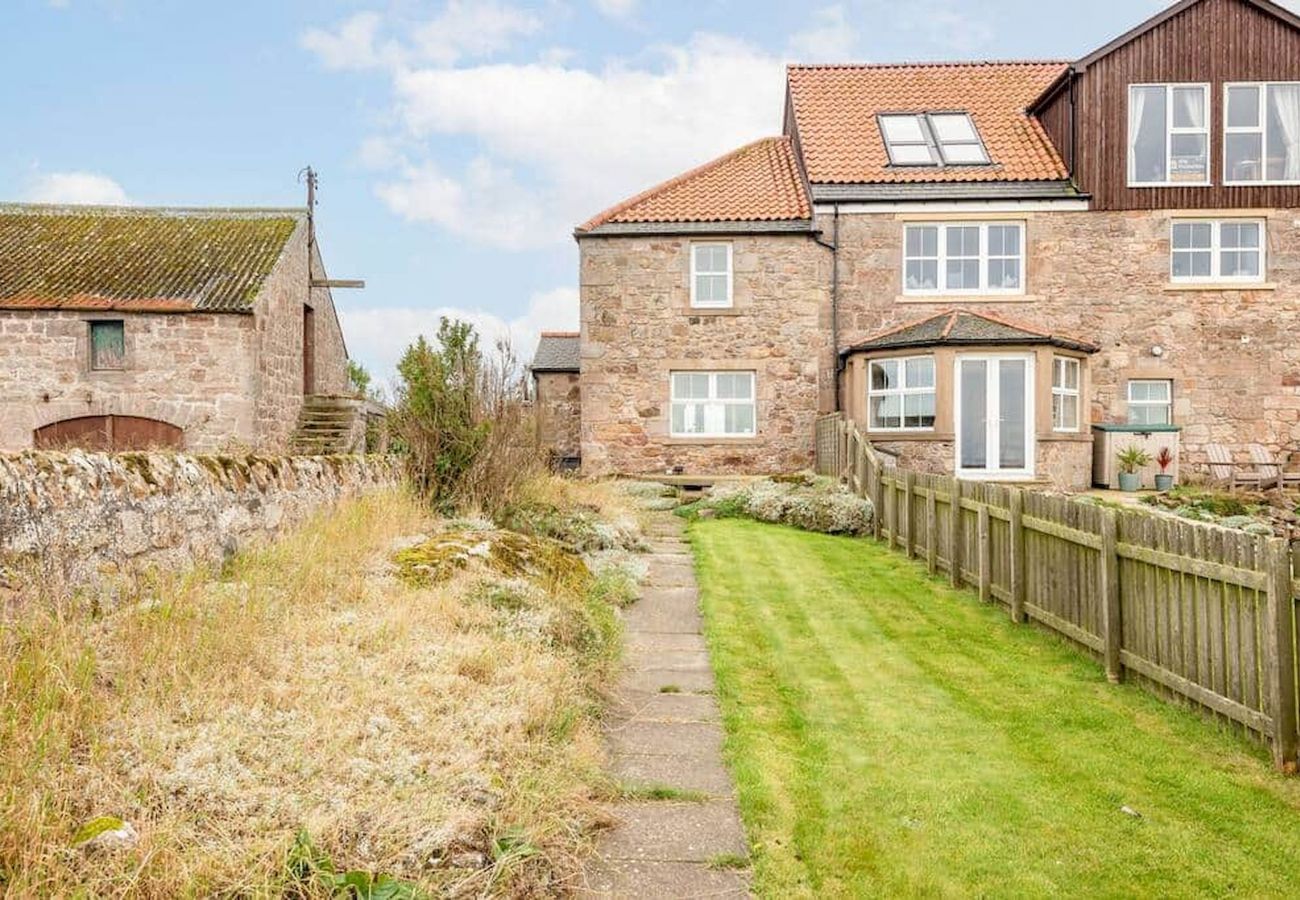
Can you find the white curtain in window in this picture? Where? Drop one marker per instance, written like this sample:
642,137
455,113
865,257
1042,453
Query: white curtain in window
1137,102
1194,106
1286,99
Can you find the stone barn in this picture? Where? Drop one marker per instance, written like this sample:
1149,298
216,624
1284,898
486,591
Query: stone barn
557,396
198,329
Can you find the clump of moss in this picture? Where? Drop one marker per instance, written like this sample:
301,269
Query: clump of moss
504,553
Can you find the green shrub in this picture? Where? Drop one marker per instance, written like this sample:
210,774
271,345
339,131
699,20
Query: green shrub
804,501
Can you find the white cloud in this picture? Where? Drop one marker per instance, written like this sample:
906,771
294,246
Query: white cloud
616,9
352,45
557,143
377,337
830,37
76,187
463,30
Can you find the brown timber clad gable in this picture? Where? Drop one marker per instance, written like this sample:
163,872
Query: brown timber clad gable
1212,41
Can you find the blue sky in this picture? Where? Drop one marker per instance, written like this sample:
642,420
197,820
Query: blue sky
458,142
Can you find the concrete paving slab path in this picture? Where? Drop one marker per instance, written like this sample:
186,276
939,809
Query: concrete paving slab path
664,732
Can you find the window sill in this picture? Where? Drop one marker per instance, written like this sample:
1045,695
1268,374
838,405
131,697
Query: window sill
966,298
1178,286
1080,437
918,435
713,311
705,440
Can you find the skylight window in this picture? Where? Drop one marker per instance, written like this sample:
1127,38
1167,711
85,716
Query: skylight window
933,139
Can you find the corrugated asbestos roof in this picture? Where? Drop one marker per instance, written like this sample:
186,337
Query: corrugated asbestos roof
966,327
760,182
835,110
557,351
123,258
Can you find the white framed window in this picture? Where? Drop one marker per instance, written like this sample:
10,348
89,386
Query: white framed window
900,394
711,275
1150,401
1065,393
1168,134
964,258
1261,132
932,139
713,404
1228,250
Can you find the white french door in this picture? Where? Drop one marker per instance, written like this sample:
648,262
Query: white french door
994,407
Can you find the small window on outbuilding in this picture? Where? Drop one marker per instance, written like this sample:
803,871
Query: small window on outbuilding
108,344
932,139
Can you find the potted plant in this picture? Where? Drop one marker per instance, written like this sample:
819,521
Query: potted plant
1164,459
1131,458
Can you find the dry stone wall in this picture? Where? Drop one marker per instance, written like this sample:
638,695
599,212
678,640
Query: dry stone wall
87,515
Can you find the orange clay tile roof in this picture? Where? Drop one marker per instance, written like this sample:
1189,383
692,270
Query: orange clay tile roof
835,109
760,182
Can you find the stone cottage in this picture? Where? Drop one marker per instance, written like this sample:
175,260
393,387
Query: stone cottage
975,262
201,329
557,396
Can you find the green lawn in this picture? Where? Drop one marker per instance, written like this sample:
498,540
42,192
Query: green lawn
891,736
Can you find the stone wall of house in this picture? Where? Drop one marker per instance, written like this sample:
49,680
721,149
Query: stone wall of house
638,327
279,316
1065,464
85,515
1104,276
195,371
559,413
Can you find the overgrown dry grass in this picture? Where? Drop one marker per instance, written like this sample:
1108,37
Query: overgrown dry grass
414,731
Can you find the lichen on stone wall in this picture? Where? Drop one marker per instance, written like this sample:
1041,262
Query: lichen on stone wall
84,515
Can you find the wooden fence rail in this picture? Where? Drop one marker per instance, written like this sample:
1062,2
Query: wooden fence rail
1199,614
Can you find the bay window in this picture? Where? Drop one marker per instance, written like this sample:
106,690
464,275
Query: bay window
1065,394
712,404
1216,250
900,394
964,258
1261,133
1168,134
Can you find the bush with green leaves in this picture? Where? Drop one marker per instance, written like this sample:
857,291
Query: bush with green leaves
460,421
805,501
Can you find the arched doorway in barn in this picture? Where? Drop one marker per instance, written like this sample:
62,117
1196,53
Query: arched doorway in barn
110,433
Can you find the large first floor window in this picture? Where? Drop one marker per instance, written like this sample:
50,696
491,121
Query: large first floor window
1216,250
964,258
900,394
713,404
1168,134
1261,139
1150,401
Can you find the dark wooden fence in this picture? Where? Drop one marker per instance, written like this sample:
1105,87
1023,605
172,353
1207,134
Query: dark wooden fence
1200,614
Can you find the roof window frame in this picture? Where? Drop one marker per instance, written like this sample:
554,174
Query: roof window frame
938,158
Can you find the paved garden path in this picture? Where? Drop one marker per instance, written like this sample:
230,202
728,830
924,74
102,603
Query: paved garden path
665,732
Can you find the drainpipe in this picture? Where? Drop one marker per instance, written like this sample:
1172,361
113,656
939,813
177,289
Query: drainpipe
834,247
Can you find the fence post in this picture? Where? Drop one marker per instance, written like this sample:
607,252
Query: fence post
954,534
931,532
1112,628
1017,502
1279,655
986,555
909,532
860,468
877,500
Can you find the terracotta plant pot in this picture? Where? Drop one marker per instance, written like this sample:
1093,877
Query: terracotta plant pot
1164,482
1129,481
